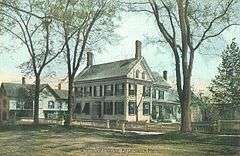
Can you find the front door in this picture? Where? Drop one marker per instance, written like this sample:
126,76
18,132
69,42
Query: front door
96,110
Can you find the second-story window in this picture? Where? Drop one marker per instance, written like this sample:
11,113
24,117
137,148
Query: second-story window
108,90
143,75
119,89
97,91
79,92
146,91
87,91
137,73
50,105
160,94
4,103
132,89
154,92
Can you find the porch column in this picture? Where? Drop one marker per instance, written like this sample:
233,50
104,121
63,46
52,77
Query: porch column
126,100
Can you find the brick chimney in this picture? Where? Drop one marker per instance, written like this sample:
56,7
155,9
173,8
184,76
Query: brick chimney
138,52
89,59
165,75
59,86
23,80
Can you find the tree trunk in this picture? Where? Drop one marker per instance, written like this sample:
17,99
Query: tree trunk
137,115
70,102
36,100
185,106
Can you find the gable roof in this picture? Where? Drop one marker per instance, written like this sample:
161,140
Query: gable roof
107,70
13,90
62,94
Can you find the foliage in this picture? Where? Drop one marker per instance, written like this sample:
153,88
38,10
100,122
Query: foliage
225,87
83,25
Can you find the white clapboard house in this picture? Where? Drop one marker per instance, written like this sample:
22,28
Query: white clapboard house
123,90
19,97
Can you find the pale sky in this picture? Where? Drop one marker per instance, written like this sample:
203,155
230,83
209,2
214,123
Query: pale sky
132,27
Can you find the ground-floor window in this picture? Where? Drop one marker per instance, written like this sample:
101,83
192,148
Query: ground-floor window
108,108
119,107
146,108
131,107
78,108
86,109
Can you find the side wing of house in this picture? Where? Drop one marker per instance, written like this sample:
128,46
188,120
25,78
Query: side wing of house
50,106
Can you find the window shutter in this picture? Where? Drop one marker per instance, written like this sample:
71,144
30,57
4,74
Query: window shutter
112,89
123,87
95,91
100,90
135,89
116,89
90,90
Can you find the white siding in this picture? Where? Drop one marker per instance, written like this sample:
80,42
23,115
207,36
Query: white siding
44,98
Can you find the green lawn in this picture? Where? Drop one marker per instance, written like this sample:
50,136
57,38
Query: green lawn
57,141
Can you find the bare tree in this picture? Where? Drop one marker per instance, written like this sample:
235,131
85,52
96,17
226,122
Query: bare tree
29,22
84,25
185,25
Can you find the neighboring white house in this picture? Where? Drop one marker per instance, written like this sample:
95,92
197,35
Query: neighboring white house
121,90
20,100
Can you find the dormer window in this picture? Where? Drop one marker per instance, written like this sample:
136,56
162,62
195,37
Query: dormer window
143,75
137,73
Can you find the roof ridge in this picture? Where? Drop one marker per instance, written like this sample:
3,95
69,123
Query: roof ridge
114,62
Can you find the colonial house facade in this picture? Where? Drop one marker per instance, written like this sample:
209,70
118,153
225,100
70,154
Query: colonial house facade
19,99
122,90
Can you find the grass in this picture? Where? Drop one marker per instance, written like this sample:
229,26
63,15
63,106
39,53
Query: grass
56,141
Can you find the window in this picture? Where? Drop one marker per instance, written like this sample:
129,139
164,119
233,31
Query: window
86,109
18,105
146,108
154,93
137,73
160,94
119,107
146,91
108,90
50,105
77,91
60,105
132,89
4,115
80,92
108,108
143,75
97,91
131,107
78,108
119,89
88,91
4,103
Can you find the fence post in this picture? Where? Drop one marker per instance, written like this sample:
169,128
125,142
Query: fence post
123,128
108,124
218,126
